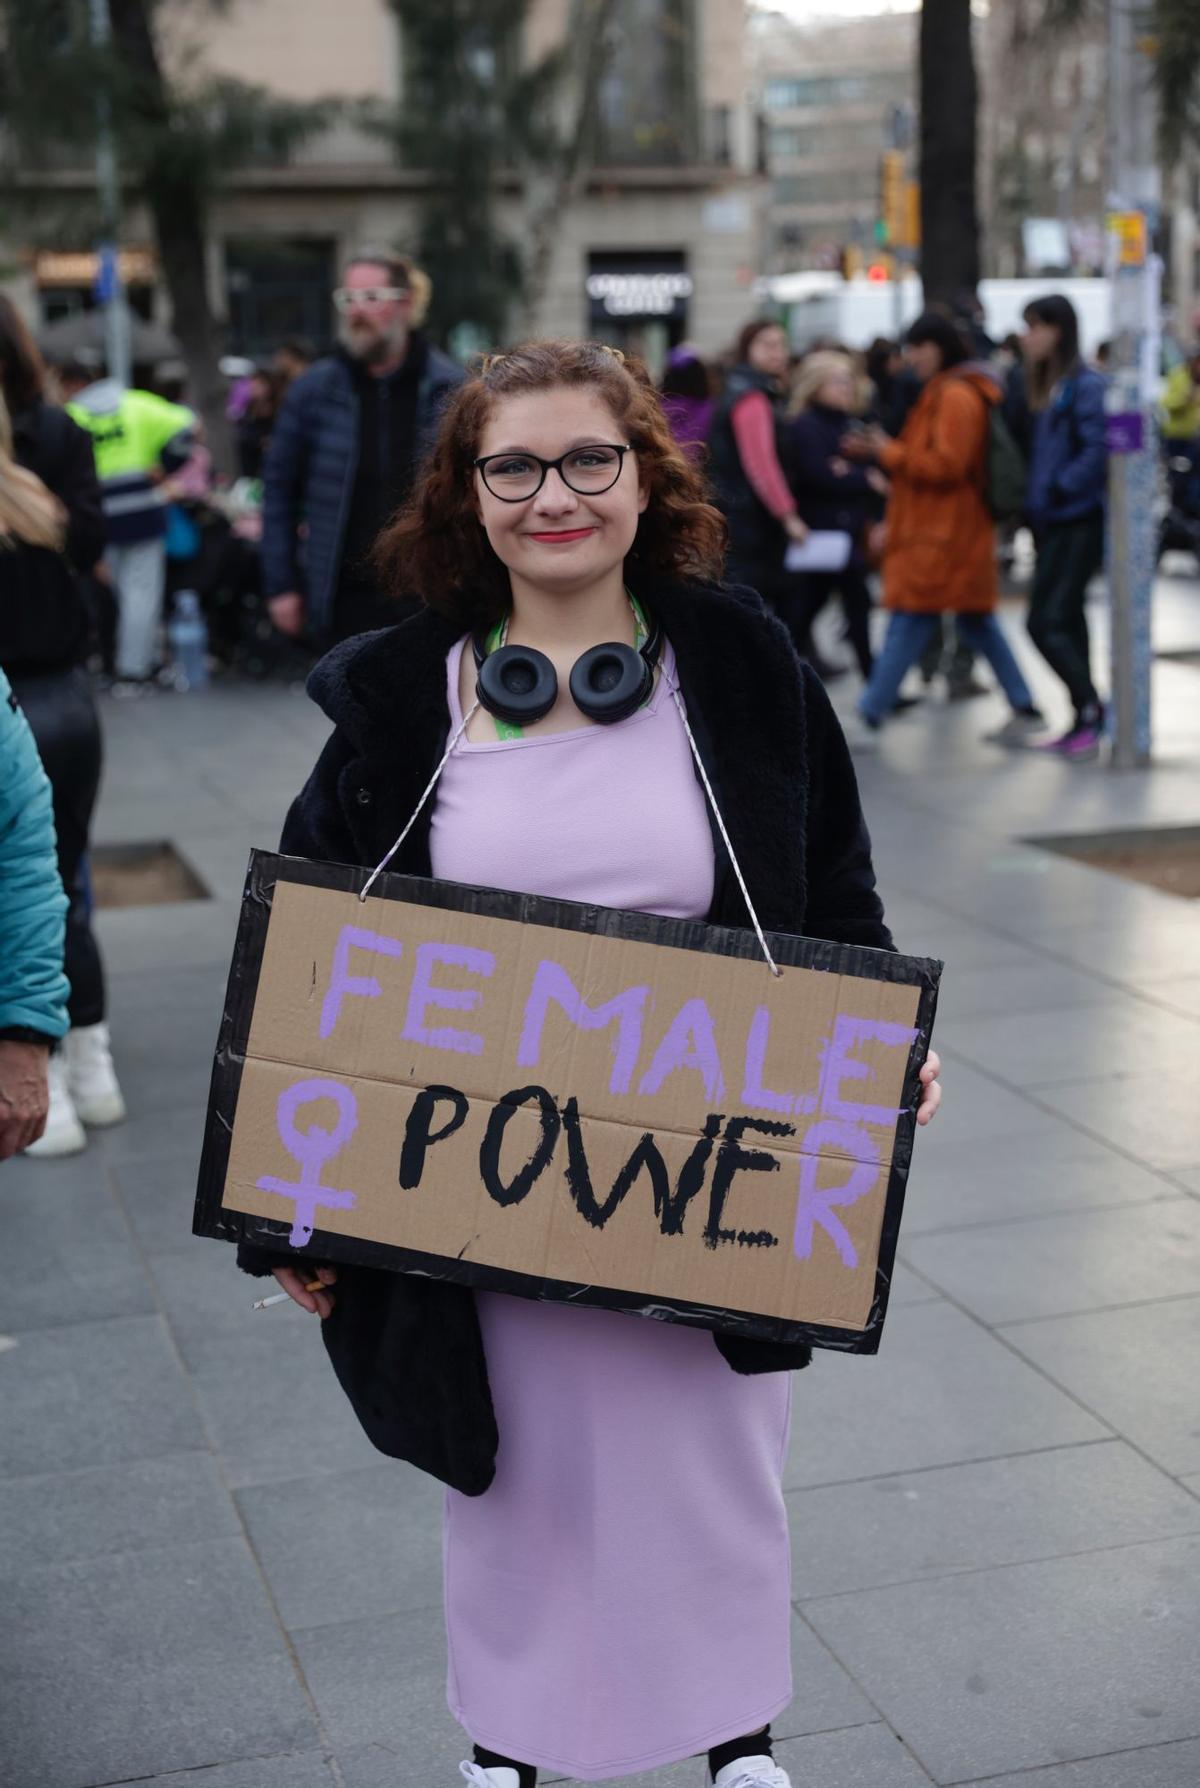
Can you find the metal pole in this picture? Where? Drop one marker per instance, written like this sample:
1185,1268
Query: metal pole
118,352
1134,273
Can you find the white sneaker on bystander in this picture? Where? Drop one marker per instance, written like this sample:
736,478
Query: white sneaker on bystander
91,1077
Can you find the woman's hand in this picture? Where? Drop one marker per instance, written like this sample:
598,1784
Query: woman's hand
932,1089
318,1303
865,443
795,529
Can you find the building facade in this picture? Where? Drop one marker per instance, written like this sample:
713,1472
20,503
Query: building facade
1042,144
663,242
831,97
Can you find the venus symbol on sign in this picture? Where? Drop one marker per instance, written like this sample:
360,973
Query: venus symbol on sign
311,1149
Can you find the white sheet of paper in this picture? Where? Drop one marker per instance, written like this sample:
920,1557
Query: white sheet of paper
826,549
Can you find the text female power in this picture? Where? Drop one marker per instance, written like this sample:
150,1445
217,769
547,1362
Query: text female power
451,978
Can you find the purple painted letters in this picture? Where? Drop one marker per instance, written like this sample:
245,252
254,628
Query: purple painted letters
689,1043
311,1149
754,1092
552,982
838,1064
352,937
447,999
813,1207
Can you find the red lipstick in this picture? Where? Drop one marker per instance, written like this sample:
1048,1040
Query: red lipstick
564,534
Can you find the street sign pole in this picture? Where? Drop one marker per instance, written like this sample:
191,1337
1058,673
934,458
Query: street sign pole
1135,277
110,289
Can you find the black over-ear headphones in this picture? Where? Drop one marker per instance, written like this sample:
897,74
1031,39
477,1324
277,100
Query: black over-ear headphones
609,683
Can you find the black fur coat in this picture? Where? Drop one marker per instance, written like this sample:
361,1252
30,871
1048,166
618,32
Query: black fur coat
408,1351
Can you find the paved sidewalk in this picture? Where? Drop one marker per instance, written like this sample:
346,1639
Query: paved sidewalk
209,1578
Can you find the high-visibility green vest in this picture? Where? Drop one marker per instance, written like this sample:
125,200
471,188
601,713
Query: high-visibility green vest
131,437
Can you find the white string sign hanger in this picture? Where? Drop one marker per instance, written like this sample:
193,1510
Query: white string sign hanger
677,698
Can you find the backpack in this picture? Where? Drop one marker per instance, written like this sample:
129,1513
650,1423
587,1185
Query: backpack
1004,470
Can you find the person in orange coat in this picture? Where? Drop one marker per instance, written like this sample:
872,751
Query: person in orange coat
940,551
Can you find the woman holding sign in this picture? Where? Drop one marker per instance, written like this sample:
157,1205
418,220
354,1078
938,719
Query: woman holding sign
616,1542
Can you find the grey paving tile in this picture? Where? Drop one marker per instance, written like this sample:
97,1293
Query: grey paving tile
940,1391
382,1683
1180,991
94,1393
977,1109
53,1518
154,1132
1165,942
1153,1766
67,1252
208,1299
1041,987
350,1545
312,1770
1053,1266
965,1517
158,940
157,1194
1155,1117
379,1683
1031,1664
272,1407
1135,1368
1118,1034
852,1758
954,1186
142,1663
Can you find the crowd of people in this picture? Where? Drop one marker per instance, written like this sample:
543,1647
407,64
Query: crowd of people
904,471
515,519
887,478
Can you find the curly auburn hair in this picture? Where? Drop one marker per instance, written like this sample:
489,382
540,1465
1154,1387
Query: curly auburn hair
436,547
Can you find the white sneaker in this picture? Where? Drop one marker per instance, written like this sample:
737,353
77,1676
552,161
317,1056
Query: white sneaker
1017,730
861,736
752,1772
91,1076
489,1778
64,1134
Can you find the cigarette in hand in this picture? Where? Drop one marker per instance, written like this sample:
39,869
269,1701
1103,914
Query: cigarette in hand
282,1297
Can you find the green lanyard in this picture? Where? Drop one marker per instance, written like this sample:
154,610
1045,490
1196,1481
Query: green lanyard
499,637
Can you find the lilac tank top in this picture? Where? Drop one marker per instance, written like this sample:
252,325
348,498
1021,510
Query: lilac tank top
607,814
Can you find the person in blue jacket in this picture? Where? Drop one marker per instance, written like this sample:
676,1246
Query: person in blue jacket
1057,413
33,908
348,441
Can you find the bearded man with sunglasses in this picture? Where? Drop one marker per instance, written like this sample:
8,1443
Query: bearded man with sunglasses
348,441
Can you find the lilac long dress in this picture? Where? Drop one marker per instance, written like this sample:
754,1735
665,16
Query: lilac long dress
619,1597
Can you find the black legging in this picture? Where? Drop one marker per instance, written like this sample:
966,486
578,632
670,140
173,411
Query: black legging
62,717
1069,554
758,1744
851,585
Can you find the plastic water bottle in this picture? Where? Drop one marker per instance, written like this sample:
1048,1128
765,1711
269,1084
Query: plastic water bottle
188,636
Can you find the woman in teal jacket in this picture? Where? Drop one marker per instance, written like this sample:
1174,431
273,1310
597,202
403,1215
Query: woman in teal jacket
33,987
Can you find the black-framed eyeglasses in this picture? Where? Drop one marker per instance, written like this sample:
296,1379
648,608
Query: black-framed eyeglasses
515,477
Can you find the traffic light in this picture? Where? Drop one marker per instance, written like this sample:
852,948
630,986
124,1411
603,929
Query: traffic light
891,195
850,261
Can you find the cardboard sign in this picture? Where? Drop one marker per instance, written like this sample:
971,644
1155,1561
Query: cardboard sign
566,1102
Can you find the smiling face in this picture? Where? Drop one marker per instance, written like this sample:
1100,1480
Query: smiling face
559,539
